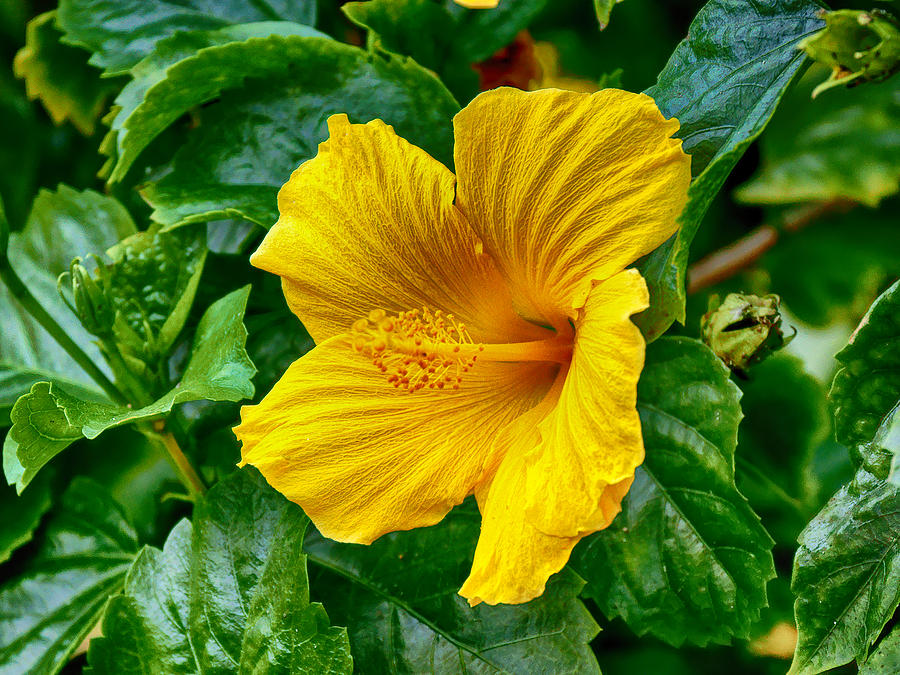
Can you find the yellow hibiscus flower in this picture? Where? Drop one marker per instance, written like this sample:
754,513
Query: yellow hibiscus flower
477,4
473,331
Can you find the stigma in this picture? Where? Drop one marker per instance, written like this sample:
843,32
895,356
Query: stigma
417,349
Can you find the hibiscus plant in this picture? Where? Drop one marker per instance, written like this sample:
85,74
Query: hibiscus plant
450,336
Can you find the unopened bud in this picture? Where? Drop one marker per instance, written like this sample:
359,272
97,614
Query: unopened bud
744,329
92,307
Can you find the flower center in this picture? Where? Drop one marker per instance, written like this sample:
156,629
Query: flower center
417,349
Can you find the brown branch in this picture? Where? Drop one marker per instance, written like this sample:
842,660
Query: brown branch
728,261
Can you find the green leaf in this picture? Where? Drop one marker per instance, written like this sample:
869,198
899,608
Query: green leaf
399,599
422,29
29,509
187,70
443,37
687,559
17,380
885,660
49,419
249,142
851,258
771,457
867,387
62,224
887,439
151,285
59,75
723,83
82,560
230,596
122,32
603,8
276,340
847,575
842,146
479,33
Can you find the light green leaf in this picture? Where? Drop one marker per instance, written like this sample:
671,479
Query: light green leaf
399,599
151,285
887,439
723,83
122,32
687,559
845,145
867,387
17,380
230,596
62,224
885,660
187,70
49,419
603,8
252,139
29,509
59,75
82,560
847,575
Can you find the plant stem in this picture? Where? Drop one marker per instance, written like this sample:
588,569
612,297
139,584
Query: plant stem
180,462
728,261
20,291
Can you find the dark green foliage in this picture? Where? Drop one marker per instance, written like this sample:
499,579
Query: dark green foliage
687,559
254,137
722,83
121,33
847,575
81,560
229,594
398,598
868,385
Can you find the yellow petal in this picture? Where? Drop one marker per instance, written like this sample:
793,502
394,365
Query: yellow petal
362,458
369,223
564,188
478,4
513,559
592,439
565,465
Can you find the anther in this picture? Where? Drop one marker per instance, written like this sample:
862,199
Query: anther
415,348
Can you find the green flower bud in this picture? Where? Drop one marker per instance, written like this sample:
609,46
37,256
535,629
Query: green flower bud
744,329
92,307
858,47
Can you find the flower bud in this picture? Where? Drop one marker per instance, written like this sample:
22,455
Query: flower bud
92,307
744,329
